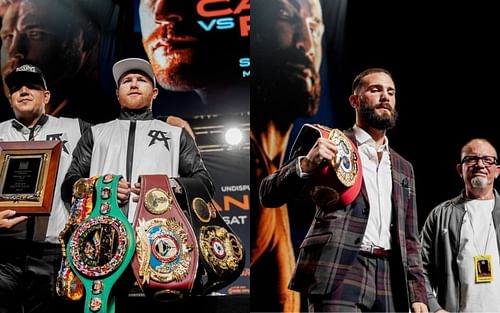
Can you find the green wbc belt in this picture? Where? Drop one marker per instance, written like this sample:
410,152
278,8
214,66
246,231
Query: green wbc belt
102,247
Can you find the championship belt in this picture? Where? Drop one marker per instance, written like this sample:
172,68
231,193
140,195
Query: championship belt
338,180
68,285
102,246
166,259
221,251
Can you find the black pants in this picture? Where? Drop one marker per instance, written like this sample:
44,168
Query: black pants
27,277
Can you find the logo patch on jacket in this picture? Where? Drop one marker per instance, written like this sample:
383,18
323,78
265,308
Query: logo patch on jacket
158,135
59,137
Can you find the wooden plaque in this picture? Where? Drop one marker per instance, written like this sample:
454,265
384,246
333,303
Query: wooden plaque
28,174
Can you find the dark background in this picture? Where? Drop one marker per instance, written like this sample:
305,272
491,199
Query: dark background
444,61
445,65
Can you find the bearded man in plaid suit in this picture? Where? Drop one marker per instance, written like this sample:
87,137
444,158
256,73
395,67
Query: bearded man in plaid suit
361,252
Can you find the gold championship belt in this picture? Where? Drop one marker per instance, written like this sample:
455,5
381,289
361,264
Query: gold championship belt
101,247
222,256
339,180
68,285
166,259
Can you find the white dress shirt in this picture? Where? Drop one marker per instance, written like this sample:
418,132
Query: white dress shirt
378,182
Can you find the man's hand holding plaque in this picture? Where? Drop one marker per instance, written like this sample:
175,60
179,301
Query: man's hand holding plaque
8,219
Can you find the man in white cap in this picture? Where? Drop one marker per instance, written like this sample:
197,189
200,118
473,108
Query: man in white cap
135,143
31,254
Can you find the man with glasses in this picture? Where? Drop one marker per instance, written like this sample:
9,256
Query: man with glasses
460,238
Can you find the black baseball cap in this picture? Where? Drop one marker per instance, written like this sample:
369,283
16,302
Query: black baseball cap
26,74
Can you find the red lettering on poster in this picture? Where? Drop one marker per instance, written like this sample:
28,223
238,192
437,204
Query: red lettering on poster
204,9
244,25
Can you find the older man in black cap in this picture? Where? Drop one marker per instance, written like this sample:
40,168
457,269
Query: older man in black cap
31,254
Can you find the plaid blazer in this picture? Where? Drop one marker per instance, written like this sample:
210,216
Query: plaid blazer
334,237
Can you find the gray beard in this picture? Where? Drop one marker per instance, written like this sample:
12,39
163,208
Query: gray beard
479,182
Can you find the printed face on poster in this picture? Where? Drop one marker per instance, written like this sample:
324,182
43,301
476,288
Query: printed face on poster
201,61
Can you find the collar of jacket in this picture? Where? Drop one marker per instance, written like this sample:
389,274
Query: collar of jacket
41,121
141,114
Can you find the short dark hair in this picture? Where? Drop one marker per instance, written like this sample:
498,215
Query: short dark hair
360,76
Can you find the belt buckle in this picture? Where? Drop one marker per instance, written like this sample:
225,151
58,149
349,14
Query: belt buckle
372,249
369,249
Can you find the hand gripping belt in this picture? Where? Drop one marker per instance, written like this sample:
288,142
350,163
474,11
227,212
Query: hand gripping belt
222,256
339,181
166,259
102,246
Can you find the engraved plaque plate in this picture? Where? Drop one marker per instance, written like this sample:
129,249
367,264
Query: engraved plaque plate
28,174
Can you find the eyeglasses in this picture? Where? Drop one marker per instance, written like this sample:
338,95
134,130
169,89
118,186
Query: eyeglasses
488,160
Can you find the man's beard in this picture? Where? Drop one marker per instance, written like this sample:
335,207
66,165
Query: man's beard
381,122
179,77
479,182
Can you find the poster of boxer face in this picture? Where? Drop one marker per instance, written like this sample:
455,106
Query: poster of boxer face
288,74
199,51
64,39
199,46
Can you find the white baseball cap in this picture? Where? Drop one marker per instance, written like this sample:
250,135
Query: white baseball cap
133,64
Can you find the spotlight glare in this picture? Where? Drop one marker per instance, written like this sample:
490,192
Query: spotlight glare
233,136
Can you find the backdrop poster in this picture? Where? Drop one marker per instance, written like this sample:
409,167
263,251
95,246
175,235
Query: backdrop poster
76,43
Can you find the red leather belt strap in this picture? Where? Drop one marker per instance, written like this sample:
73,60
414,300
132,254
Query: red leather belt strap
166,259
339,181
